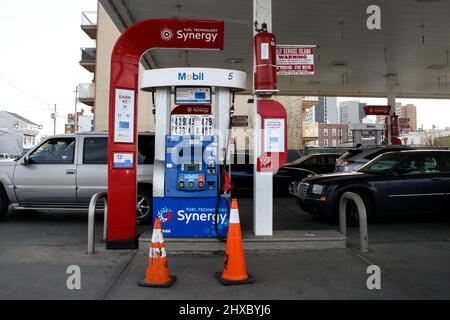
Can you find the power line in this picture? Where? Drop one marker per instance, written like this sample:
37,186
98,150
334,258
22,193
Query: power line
23,91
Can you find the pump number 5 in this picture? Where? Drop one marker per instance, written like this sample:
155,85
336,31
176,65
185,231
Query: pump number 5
230,76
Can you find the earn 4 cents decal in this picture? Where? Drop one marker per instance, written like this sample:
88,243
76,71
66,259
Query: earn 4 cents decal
208,33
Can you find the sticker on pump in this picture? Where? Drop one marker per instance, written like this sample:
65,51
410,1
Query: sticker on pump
123,160
274,135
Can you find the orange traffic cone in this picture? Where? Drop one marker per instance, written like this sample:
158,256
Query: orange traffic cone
157,270
234,271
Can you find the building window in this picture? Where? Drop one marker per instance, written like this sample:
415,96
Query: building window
325,142
325,132
350,133
333,132
340,132
333,143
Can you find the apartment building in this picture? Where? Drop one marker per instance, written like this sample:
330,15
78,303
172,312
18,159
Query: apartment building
351,112
332,135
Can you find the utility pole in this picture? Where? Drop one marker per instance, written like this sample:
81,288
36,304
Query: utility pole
54,119
75,114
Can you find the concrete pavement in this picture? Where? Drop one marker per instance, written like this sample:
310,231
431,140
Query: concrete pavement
37,248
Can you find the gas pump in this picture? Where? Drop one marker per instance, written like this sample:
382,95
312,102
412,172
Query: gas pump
395,132
190,144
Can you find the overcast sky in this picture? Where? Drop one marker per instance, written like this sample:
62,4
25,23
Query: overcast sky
40,54
39,63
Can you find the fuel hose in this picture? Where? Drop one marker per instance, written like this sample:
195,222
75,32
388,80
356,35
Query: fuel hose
219,182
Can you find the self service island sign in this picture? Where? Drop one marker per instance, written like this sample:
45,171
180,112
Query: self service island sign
293,60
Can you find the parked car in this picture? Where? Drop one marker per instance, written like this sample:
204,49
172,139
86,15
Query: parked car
355,158
316,162
64,171
413,181
285,180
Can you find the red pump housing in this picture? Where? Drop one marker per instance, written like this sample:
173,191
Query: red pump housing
273,120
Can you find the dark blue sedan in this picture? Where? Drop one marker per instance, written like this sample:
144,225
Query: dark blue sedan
414,181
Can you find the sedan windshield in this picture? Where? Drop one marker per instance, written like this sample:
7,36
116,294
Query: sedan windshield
382,164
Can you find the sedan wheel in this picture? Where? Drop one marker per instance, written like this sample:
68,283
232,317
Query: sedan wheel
293,188
143,207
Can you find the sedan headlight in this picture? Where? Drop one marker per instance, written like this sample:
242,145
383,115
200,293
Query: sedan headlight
317,189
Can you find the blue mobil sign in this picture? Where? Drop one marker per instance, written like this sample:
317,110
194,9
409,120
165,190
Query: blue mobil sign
200,76
191,217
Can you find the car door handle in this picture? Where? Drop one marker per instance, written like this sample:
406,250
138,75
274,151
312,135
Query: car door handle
70,171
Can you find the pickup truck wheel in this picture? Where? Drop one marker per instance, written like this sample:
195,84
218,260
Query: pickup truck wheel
144,206
4,203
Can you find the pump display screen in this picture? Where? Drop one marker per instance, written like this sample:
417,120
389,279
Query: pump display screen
193,95
191,167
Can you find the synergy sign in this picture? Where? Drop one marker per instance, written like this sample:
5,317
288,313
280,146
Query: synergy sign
211,36
198,215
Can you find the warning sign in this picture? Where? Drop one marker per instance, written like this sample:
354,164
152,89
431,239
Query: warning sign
295,60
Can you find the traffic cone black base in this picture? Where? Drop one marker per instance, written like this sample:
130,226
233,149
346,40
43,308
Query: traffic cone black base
168,284
226,282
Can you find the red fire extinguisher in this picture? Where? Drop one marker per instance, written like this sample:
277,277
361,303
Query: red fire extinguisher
265,73
394,123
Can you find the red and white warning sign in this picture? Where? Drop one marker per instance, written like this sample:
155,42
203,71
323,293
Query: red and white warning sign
295,60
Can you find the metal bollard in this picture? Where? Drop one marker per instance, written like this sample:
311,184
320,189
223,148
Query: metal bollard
91,219
362,213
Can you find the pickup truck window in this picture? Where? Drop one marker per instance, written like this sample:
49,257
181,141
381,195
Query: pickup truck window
54,151
95,150
146,149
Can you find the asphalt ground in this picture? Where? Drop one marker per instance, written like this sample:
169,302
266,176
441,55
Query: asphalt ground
36,248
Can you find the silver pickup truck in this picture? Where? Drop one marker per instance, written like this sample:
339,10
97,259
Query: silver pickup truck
64,171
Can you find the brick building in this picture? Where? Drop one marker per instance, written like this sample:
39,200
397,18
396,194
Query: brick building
333,135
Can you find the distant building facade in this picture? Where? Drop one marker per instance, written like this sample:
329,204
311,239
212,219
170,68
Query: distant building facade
325,111
332,135
18,132
351,112
409,113
79,122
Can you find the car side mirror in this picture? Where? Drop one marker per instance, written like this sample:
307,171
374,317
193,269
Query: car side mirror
26,160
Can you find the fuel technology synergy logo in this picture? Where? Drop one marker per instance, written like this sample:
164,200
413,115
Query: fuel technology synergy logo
165,215
166,34
186,34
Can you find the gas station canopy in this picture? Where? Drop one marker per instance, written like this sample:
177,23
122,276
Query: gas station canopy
350,60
